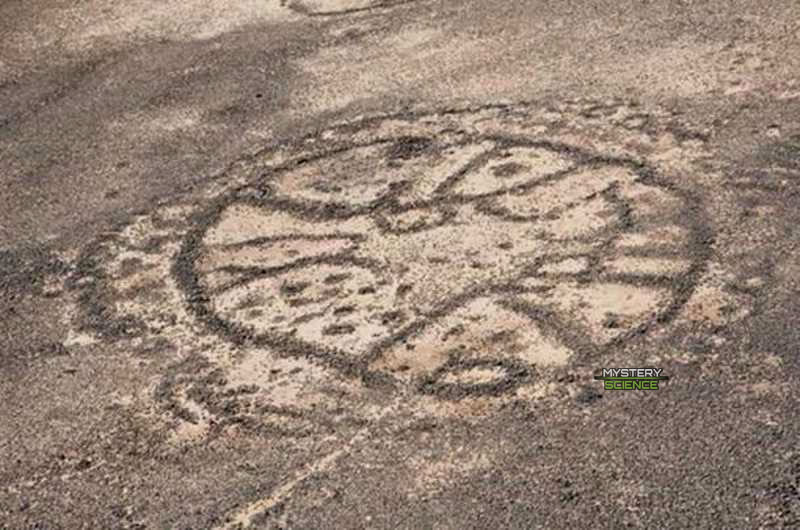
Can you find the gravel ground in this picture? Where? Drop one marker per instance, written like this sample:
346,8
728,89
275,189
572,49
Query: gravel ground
354,263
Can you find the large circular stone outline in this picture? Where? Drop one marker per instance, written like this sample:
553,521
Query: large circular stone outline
286,345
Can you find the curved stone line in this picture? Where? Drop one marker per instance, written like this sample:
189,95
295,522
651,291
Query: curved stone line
446,216
331,210
248,274
410,115
318,210
387,4
198,303
261,241
251,274
515,374
171,385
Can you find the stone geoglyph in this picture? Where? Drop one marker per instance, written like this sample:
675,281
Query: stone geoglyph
431,255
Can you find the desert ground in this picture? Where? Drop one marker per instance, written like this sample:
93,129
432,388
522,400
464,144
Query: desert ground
356,263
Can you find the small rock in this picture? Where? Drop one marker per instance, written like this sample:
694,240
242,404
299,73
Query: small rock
755,282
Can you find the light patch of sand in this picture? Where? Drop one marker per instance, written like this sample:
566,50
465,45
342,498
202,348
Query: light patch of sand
332,6
82,25
241,223
413,219
283,381
359,176
343,307
356,177
655,237
584,220
668,153
566,266
592,305
646,266
650,202
474,376
75,338
446,260
271,254
149,270
712,303
454,159
218,279
538,390
149,292
512,167
761,389
481,330
413,38
175,212
532,127
189,431
564,192
447,130
139,231
468,408
142,279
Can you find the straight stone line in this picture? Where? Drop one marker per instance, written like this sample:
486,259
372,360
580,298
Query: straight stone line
244,517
